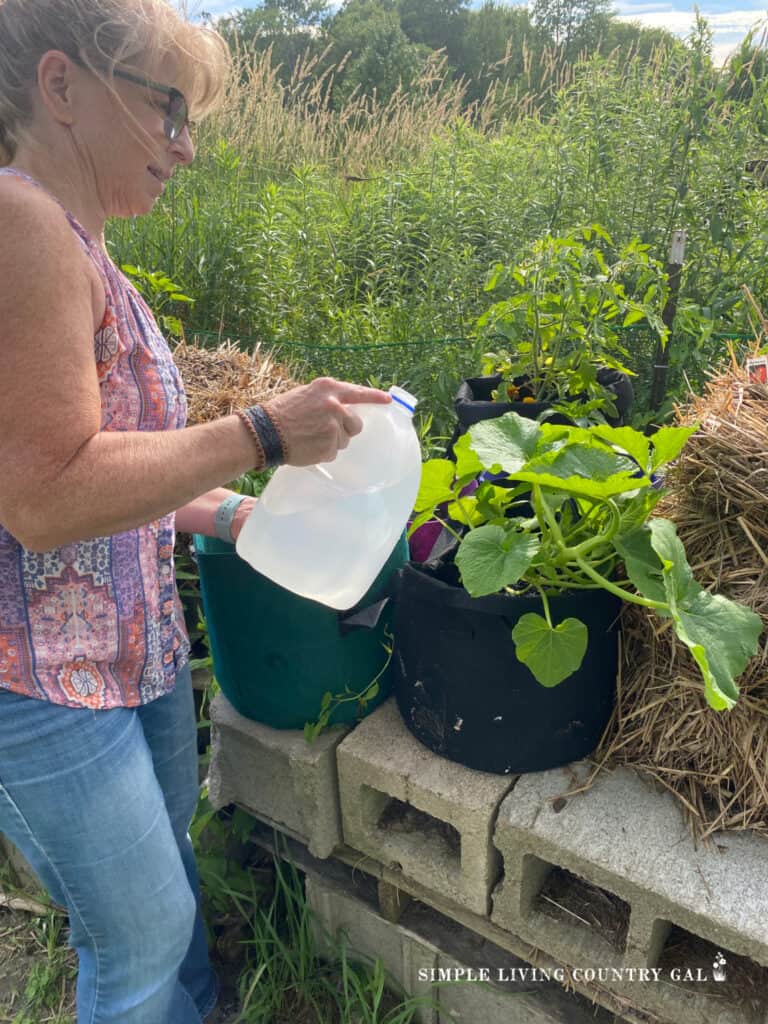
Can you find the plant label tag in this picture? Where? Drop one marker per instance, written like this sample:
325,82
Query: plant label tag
757,368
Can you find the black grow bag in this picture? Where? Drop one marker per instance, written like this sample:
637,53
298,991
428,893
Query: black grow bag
463,693
473,402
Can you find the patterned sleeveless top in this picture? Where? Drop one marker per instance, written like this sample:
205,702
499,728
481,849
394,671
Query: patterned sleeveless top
99,623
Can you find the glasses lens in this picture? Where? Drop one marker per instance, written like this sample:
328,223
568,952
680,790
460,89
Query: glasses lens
176,116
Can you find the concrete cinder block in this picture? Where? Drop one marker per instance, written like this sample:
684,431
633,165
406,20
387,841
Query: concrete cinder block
277,776
629,840
418,813
369,936
449,969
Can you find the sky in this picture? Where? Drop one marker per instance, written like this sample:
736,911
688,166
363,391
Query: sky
729,23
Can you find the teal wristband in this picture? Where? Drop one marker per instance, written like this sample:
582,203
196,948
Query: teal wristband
225,513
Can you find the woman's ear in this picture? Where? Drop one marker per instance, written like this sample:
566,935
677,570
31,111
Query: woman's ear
55,78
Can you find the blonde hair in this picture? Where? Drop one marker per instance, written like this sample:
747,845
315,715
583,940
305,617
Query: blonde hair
135,34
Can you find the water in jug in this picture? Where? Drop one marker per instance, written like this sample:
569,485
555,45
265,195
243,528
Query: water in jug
325,531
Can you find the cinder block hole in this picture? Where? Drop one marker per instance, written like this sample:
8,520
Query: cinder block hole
400,818
572,900
692,962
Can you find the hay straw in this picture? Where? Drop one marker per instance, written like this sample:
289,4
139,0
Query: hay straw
220,380
715,763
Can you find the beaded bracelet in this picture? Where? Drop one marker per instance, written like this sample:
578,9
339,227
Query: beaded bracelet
261,462
279,431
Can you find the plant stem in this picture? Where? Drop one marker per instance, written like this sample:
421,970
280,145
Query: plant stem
545,605
602,538
448,528
544,512
537,333
625,595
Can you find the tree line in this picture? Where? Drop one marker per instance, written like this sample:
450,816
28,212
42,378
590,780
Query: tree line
376,47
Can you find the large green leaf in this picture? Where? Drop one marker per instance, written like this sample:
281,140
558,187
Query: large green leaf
491,558
493,501
419,520
631,441
467,463
465,510
668,443
551,654
679,583
722,636
553,434
582,486
644,568
634,511
508,441
436,484
588,460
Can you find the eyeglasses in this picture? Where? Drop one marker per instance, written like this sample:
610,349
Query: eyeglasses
177,112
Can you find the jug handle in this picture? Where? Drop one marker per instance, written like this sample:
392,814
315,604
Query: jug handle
326,477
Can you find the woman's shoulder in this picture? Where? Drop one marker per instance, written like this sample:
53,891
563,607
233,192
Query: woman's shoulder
39,239
32,218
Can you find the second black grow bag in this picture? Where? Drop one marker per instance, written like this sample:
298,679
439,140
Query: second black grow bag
463,693
474,402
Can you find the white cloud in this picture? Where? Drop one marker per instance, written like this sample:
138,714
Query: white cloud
681,22
625,10
215,7
728,27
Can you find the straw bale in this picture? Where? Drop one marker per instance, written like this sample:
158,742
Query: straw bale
219,380
715,763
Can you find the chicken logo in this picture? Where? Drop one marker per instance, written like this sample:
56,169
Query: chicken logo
718,967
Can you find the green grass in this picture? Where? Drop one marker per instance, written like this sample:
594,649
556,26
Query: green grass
290,971
37,968
263,936
49,988
287,982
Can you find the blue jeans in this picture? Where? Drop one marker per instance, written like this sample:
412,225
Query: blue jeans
100,802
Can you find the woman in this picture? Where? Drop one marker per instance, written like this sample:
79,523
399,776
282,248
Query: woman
98,767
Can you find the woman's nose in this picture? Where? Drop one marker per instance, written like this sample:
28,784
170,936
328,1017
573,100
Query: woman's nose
183,147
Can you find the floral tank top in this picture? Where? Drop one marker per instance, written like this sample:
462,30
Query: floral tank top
98,623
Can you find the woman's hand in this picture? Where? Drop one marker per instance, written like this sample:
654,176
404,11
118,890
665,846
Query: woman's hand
316,420
242,512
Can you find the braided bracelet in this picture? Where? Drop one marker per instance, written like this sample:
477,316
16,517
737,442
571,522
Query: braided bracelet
265,433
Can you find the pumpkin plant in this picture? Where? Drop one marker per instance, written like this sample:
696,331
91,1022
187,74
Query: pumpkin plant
566,508
559,313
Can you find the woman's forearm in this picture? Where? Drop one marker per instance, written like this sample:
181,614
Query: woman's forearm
198,515
120,480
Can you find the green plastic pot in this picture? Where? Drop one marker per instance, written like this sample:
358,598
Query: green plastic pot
275,654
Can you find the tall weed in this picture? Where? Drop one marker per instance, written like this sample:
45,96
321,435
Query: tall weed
300,224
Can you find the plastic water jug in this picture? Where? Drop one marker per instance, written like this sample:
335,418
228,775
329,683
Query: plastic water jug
325,531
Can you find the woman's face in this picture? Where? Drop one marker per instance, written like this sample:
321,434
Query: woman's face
123,140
